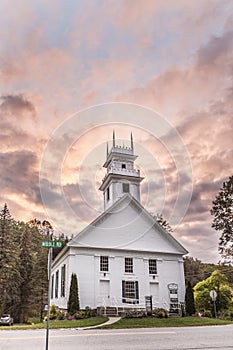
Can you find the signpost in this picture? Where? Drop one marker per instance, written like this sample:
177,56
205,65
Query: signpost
50,245
213,295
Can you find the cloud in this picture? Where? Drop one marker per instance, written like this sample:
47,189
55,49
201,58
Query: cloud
174,57
217,49
19,175
16,106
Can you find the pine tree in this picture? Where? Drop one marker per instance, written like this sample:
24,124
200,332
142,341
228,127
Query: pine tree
9,262
25,269
40,269
73,302
189,300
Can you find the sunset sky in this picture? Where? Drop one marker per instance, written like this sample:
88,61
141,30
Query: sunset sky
72,71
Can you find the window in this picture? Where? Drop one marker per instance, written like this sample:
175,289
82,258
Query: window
123,166
125,188
129,265
152,267
52,286
56,284
108,194
130,292
63,280
104,263
173,290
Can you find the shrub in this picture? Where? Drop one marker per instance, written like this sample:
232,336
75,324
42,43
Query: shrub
60,315
160,313
207,313
34,320
79,315
134,314
226,315
53,312
90,312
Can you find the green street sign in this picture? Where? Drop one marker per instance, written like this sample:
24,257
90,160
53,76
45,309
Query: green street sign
51,244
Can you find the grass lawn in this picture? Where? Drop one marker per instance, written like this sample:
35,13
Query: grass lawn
145,322
92,321
165,322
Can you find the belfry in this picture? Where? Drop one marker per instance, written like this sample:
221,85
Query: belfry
121,177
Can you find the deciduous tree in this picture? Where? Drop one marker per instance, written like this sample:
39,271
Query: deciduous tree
218,282
222,212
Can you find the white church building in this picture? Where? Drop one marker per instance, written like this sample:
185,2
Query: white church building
124,258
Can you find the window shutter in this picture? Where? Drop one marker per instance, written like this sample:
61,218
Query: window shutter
123,289
136,290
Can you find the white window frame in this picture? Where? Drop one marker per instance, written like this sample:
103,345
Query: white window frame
130,292
128,265
153,267
104,263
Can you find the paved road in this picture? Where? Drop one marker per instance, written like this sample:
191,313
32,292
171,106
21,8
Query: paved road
190,338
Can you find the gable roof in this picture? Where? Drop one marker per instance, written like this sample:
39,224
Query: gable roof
127,225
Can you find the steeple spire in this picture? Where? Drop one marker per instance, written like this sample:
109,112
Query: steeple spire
107,149
131,140
113,139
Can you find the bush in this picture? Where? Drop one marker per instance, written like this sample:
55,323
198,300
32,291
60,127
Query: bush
60,315
134,314
90,312
226,315
34,320
207,313
53,312
80,315
160,313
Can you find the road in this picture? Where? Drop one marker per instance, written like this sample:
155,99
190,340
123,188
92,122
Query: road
188,338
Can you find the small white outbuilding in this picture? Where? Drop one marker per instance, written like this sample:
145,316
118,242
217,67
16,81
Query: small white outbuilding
123,259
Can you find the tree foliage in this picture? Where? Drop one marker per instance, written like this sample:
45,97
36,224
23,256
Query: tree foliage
189,300
23,266
25,270
159,218
10,278
218,282
222,212
194,271
73,302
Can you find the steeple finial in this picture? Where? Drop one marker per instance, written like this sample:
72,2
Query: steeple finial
107,149
131,140
113,139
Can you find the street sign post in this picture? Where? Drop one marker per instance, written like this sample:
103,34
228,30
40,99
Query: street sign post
213,295
50,245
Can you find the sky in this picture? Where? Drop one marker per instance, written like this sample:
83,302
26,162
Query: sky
71,72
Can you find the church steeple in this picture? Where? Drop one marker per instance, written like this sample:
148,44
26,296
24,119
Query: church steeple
121,177
131,141
113,139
